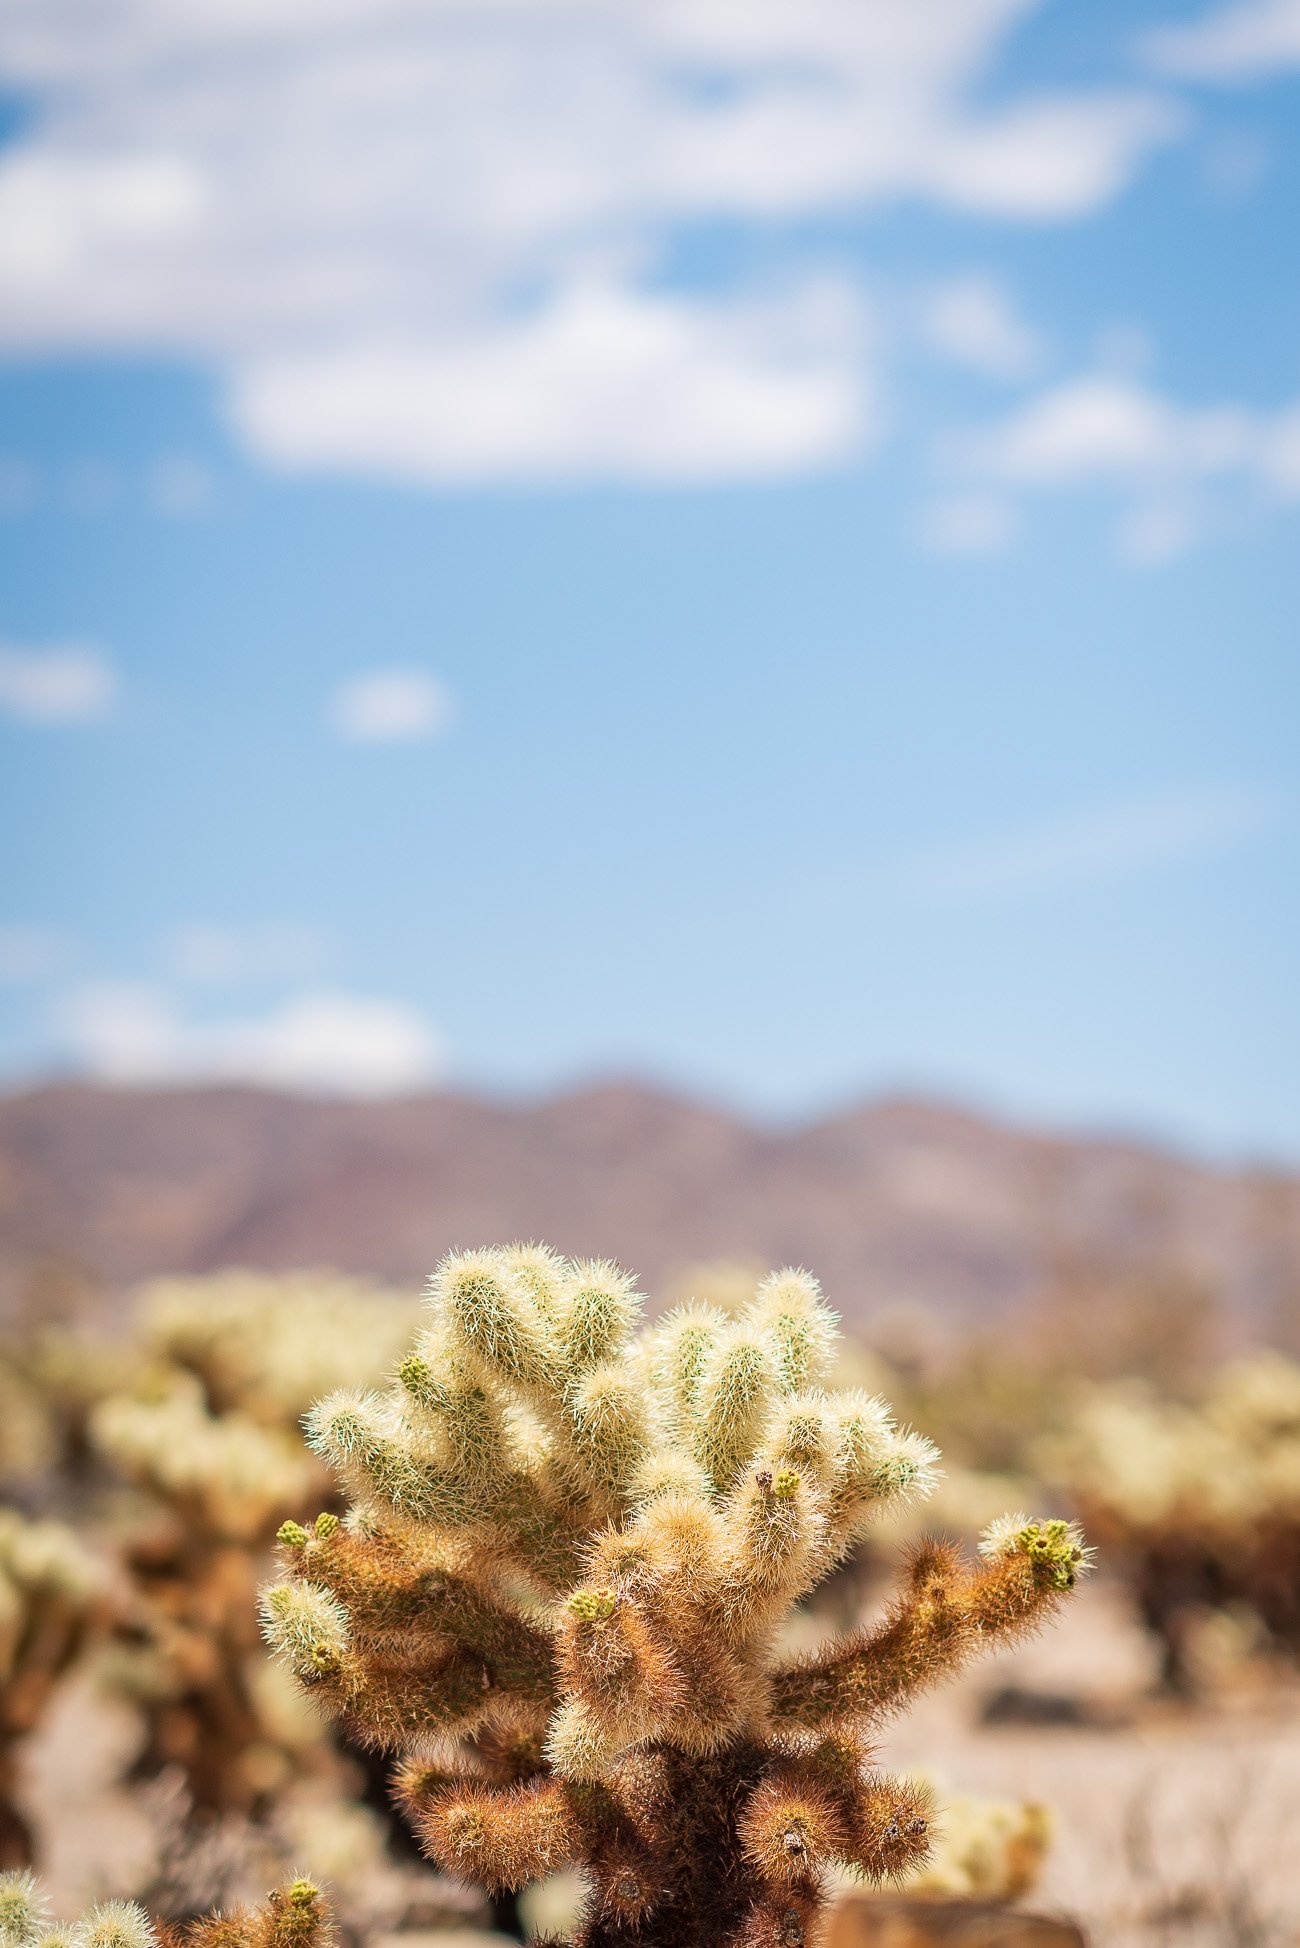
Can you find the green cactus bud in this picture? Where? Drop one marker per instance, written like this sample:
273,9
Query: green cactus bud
1055,1548
416,1375
593,1606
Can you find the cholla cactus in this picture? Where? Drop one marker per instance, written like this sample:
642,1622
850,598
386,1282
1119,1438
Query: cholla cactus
222,1473
267,1345
295,1916
558,1590
207,1429
1198,1505
185,1645
51,1380
50,1588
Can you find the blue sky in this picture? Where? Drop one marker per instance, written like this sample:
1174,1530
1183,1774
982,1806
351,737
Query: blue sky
749,543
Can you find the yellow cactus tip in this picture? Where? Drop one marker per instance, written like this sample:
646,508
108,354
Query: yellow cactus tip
325,1525
592,1606
292,1534
785,1484
1056,1550
303,1893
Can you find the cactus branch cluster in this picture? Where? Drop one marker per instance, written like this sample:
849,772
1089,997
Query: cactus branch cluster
557,1592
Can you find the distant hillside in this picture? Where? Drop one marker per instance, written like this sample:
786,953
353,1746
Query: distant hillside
894,1203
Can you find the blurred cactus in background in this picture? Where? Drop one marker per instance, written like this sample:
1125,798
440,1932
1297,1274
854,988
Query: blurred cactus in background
51,1381
986,1849
50,1590
1197,1505
558,1587
268,1345
207,1434
184,1647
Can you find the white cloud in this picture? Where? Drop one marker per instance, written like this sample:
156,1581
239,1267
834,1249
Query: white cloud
1182,474
218,956
1104,428
363,189
1047,159
1103,844
1186,472
390,706
319,1043
973,322
1232,43
68,683
972,524
601,384
27,953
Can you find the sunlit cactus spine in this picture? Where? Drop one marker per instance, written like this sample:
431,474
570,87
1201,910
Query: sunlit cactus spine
294,1916
557,1592
51,1590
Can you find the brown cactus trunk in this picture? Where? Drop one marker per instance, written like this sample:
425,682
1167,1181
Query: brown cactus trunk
690,1847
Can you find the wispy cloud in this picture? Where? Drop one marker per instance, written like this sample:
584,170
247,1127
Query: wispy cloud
974,322
318,1042
1165,460
221,956
180,486
65,683
1234,43
966,524
1099,845
1104,428
391,707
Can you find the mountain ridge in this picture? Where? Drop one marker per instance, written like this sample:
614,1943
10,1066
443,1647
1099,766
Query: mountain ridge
899,1201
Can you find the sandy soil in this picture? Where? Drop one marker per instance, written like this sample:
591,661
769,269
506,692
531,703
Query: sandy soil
1171,1825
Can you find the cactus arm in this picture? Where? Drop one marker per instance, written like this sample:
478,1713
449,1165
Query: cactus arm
949,1611
498,1837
